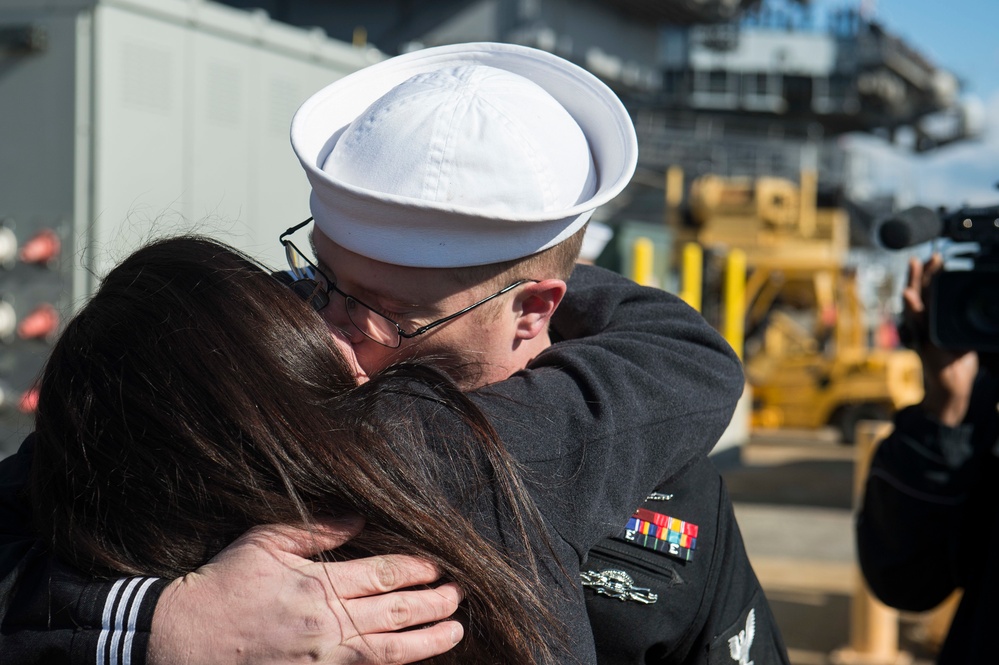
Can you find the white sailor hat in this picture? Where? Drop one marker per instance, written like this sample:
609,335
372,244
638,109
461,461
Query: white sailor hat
462,155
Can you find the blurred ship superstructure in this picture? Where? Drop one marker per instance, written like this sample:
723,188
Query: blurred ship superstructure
726,87
770,94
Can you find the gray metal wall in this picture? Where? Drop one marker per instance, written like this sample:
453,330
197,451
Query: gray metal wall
133,119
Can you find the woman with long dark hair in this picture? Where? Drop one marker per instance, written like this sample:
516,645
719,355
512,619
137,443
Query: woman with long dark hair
194,397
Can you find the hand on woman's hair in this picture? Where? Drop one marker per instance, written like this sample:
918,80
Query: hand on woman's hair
263,600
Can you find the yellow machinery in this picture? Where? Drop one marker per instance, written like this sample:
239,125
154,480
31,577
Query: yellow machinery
807,355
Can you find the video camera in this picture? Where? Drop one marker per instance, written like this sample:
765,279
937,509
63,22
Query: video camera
964,304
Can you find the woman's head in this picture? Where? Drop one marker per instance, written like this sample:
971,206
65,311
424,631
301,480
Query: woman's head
194,396
147,396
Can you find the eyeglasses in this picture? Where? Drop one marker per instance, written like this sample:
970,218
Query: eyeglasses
314,287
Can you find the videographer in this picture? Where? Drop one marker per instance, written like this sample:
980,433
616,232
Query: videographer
929,523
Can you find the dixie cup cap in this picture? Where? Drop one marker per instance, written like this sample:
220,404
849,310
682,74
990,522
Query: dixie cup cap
462,155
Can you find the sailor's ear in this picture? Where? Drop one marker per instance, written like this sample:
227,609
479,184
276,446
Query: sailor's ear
535,303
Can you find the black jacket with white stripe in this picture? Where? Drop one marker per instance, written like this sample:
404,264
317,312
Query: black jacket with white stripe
51,613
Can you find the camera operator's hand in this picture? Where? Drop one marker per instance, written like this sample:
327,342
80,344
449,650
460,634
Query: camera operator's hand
948,375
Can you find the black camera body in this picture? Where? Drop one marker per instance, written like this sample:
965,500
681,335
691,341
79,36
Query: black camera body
964,309
964,304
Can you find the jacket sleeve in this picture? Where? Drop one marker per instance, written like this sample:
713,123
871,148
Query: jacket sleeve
639,388
50,613
919,509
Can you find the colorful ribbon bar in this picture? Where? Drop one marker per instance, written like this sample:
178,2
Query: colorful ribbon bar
662,533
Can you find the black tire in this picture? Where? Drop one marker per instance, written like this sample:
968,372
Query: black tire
847,416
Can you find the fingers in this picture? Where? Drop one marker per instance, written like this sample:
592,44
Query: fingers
378,574
326,534
406,647
403,609
912,295
931,268
915,278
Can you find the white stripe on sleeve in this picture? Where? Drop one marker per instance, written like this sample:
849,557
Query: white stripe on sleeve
106,621
126,652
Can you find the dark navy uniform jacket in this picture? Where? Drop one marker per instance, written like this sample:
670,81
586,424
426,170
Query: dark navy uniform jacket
930,521
639,390
684,548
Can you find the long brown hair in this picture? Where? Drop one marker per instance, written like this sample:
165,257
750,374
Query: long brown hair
194,397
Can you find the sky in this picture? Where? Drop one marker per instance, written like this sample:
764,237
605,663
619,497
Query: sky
960,36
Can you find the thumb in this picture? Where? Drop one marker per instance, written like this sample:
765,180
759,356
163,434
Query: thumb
326,533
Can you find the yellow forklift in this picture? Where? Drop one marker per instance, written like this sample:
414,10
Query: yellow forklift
808,357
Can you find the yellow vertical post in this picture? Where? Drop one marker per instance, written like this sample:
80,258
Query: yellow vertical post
674,194
692,268
855,335
643,262
735,300
807,202
828,317
873,626
360,36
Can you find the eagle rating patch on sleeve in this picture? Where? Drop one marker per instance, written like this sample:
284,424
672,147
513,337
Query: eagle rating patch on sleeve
739,643
750,637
